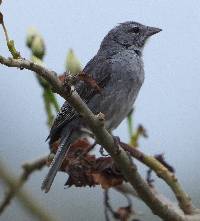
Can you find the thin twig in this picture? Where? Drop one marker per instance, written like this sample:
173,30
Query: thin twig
10,43
108,207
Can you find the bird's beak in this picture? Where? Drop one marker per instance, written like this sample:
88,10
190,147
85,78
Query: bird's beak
152,31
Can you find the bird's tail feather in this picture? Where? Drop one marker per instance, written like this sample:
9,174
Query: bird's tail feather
57,161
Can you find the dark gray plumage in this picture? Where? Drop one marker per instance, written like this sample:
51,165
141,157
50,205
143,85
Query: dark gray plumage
118,70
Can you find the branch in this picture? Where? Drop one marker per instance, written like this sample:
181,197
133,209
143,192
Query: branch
126,188
162,172
25,199
120,157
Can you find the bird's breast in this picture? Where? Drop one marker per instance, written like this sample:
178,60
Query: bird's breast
117,98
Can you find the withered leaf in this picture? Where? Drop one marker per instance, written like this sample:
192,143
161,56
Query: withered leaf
85,169
123,213
62,77
1,17
89,80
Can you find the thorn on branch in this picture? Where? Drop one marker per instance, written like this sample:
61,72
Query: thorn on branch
149,179
101,119
161,159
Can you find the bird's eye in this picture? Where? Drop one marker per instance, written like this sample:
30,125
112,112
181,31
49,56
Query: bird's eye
134,30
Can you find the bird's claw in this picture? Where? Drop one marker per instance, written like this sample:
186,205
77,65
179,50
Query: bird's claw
117,144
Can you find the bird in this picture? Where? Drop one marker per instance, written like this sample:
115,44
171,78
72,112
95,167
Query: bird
118,70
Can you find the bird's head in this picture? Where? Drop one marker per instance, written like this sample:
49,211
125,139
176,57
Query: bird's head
131,33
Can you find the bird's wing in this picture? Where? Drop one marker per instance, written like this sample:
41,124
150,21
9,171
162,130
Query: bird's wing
65,115
97,69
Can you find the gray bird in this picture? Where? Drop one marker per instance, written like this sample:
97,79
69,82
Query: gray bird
118,70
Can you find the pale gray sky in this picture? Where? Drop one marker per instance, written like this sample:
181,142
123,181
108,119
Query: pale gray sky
168,104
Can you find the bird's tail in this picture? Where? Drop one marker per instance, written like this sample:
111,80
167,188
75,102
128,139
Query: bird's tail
57,161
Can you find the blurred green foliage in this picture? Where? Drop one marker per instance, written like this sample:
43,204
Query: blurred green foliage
35,42
73,64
